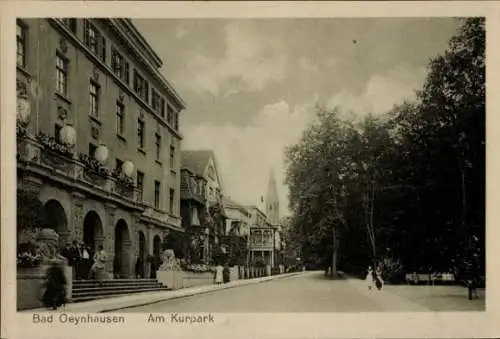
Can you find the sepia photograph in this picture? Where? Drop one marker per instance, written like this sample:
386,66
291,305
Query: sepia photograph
203,171
159,160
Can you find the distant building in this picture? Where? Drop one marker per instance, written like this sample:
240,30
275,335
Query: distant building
261,238
237,231
202,166
100,145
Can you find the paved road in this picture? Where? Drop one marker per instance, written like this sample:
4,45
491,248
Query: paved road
309,292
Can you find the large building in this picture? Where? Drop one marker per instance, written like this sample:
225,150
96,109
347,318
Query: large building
101,143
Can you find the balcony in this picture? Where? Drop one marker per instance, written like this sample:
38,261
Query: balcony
161,216
46,157
266,244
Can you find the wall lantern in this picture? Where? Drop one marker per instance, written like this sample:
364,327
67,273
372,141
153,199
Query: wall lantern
128,168
101,154
67,135
23,109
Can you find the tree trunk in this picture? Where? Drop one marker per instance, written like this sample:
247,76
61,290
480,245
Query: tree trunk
463,216
334,253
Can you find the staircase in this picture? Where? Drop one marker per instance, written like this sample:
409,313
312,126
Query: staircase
84,290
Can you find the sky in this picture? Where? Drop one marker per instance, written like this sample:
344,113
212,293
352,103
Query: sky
252,85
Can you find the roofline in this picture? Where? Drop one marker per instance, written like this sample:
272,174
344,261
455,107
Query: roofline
124,23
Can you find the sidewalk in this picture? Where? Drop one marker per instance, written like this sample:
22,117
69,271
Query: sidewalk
141,299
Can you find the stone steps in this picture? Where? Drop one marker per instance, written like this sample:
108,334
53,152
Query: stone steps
84,290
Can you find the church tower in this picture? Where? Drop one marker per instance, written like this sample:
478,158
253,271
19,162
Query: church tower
272,201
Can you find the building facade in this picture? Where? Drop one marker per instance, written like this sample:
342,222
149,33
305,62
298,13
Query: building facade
98,135
202,164
193,214
261,238
237,232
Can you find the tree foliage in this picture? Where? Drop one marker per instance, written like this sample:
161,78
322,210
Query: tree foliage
409,184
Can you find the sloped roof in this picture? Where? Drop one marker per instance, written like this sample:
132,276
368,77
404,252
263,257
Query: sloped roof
229,203
196,161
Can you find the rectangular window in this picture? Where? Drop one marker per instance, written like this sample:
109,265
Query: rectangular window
169,114
117,62
94,99
157,194
171,200
176,121
102,50
155,101
126,73
158,146
120,119
141,87
57,133
140,185
95,41
92,149
61,75
162,107
140,133
119,66
21,44
91,37
172,157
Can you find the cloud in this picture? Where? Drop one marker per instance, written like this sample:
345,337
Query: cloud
250,62
247,153
307,65
381,92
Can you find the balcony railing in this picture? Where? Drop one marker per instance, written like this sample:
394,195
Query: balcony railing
57,161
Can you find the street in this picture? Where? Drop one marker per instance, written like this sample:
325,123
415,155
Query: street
311,292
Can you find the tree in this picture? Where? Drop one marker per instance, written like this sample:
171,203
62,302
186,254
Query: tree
410,180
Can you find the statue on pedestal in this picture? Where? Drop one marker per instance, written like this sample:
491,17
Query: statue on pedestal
169,262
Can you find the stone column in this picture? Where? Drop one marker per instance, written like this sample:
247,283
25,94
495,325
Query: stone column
109,237
128,253
75,225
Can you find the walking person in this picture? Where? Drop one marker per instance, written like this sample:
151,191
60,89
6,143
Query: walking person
369,278
54,295
378,278
219,271
74,259
97,269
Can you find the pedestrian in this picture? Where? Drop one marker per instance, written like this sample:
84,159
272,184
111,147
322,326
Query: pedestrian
219,271
139,267
378,278
65,252
369,278
226,274
85,261
54,295
74,260
97,269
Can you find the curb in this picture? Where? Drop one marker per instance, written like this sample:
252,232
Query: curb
212,288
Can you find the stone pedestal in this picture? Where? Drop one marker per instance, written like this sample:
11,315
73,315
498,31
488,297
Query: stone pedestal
30,286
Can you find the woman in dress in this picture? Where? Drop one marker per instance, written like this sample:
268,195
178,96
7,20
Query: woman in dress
97,270
379,280
219,270
369,278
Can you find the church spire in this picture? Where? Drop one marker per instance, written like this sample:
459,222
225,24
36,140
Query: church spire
272,200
